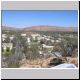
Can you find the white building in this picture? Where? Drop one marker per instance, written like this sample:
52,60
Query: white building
46,46
23,34
47,39
28,40
11,37
40,52
34,36
58,40
50,48
40,38
4,36
52,41
71,36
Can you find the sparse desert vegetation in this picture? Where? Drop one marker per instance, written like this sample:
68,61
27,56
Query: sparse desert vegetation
38,49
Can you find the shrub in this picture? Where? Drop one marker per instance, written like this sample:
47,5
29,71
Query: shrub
55,61
7,49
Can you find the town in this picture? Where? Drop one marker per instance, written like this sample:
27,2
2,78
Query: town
38,49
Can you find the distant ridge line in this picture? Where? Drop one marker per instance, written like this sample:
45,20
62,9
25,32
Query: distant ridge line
43,28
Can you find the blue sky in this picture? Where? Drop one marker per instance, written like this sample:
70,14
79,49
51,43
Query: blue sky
21,19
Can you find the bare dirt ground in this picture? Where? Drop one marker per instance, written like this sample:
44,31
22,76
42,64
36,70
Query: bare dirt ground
39,63
44,63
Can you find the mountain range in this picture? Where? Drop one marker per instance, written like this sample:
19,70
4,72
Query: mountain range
43,28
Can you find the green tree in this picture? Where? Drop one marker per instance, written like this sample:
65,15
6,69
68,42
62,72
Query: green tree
7,40
13,50
34,49
68,46
32,52
2,49
7,49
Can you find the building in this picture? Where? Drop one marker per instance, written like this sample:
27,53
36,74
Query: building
5,45
34,36
52,41
50,48
41,38
28,40
23,34
40,52
58,41
46,46
4,36
11,37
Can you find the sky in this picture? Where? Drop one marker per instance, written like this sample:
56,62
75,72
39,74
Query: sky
27,18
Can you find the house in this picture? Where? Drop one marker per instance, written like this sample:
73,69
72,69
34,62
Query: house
47,39
50,48
58,40
4,36
28,39
71,36
40,38
52,41
11,37
5,45
46,46
34,36
23,34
